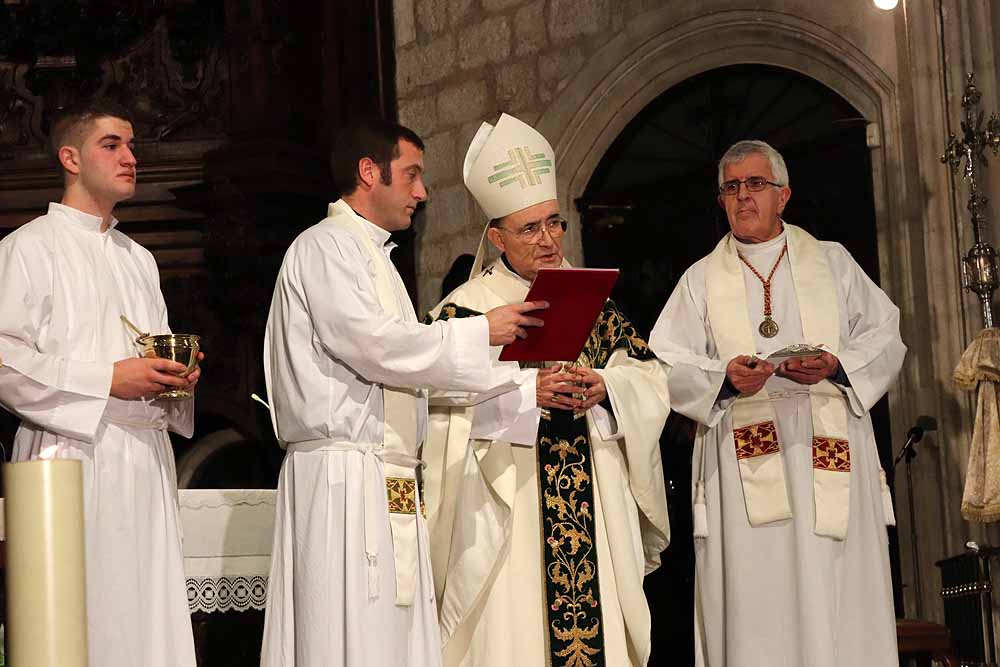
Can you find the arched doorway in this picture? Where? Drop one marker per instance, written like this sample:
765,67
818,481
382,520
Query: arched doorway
650,209
657,180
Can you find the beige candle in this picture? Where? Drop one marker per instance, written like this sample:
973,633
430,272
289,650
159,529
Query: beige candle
46,595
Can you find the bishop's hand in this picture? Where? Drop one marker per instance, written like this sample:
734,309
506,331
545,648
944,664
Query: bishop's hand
554,388
595,391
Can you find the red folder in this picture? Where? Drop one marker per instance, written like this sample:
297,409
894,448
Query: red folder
576,297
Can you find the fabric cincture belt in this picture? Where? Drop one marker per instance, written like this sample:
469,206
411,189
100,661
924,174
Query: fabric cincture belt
129,422
373,483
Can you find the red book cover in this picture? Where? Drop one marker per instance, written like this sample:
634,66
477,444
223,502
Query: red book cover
576,298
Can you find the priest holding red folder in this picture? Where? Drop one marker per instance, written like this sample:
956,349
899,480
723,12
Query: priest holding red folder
546,504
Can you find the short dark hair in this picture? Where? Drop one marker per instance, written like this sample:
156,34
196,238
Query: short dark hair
371,138
71,123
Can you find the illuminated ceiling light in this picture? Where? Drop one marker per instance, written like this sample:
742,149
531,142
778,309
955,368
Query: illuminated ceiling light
886,4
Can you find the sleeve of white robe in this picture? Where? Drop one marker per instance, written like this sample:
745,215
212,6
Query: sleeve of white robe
873,352
499,409
57,393
606,422
511,394
641,403
179,414
351,325
510,386
681,339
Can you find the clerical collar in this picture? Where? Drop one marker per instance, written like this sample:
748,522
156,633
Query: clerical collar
379,235
763,247
512,271
80,219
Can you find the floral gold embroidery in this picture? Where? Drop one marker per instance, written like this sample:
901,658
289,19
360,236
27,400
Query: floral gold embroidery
451,311
571,560
612,331
755,440
831,454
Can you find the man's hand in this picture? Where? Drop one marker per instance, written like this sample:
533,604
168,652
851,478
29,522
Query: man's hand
509,322
554,388
145,377
595,391
809,370
748,374
193,377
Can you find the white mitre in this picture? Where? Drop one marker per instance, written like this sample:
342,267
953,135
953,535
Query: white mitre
508,167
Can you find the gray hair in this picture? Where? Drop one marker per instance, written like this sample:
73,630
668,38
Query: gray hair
743,149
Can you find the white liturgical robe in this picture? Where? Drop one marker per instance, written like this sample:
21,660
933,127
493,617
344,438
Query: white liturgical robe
779,594
333,348
63,287
491,533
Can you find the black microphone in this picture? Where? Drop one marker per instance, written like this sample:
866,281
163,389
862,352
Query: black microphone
924,423
915,435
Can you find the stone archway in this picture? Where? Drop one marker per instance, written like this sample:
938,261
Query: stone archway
652,55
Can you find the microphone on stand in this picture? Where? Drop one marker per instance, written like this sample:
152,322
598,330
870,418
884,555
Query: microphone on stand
909,452
915,435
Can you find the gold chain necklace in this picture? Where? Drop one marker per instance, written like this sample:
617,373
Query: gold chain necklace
768,328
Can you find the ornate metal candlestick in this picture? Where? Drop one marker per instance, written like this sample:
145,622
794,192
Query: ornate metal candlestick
979,266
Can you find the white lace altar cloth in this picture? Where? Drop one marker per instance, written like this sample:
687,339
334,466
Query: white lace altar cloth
227,547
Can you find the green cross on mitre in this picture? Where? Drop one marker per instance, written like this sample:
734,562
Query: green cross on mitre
523,167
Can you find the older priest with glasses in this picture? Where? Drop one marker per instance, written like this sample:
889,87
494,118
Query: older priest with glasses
543,524
790,503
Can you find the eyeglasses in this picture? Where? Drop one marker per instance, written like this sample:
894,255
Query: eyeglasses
531,233
753,183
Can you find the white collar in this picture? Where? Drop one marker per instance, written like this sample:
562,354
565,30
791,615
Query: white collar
377,234
82,220
503,264
763,247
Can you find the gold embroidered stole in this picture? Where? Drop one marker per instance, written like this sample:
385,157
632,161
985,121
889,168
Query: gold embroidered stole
400,405
755,436
564,467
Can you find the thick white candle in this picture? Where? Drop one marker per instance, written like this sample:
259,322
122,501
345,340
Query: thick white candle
46,594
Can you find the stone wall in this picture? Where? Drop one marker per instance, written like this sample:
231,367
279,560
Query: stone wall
460,62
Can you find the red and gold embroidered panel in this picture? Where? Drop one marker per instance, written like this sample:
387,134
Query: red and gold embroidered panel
755,440
402,495
831,454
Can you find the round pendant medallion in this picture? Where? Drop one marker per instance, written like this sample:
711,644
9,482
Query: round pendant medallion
768,328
